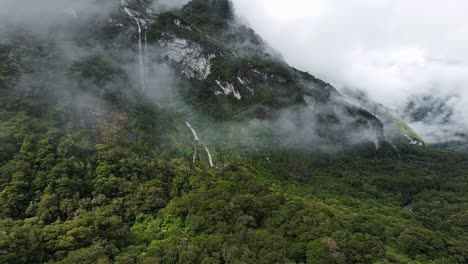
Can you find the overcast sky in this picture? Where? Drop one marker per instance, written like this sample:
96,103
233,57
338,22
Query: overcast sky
392,49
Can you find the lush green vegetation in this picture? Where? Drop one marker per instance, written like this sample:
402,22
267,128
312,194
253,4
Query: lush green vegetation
91,171
100,192
212,16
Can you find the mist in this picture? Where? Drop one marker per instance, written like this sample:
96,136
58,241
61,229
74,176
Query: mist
395,51
166,5
43,16
62,32
292,128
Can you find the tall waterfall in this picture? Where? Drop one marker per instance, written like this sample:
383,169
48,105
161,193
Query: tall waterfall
140,43
197,142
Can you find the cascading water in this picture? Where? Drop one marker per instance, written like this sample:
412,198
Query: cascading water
197,142
145,62
142,59
195,135
210,159
140,49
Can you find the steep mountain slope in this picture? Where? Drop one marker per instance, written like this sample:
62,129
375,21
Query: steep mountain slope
229,71
176,137
436,117
396,130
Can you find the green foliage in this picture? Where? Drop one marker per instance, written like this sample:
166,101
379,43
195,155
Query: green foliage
115,183
317,252
457,145
95,69
165,24
9,70
212,16
420,243
112,191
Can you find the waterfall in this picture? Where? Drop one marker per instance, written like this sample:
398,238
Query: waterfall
140,49
145,56
210,159
195,135
194,157
197,142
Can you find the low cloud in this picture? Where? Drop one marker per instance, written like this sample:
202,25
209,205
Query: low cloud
393,50
40,17
51,29
166,5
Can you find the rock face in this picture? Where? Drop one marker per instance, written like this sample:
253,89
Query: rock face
230,72
213,16
189,58
395,129
231,69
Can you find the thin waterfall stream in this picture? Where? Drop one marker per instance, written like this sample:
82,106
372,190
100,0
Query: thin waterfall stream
197,142
141,61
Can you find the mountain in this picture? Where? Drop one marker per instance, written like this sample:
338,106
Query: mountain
131,135
396,129
436,116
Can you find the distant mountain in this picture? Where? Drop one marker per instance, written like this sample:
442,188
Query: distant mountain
396,129
435,116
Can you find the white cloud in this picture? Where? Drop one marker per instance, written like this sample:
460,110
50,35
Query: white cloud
41,16
393,49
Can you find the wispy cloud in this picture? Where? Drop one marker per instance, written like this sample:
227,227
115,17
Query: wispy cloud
393,50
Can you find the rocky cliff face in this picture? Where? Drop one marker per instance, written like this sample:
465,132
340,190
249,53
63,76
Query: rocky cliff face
227,60
227,70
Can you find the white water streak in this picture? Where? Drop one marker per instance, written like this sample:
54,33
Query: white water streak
210,159
195,135
196,142
140,49
146,58
194,158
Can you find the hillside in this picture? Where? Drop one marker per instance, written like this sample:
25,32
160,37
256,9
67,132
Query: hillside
134,136
429,112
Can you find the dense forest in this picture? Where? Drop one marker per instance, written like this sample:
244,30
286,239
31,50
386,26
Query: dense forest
99,193
96,170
